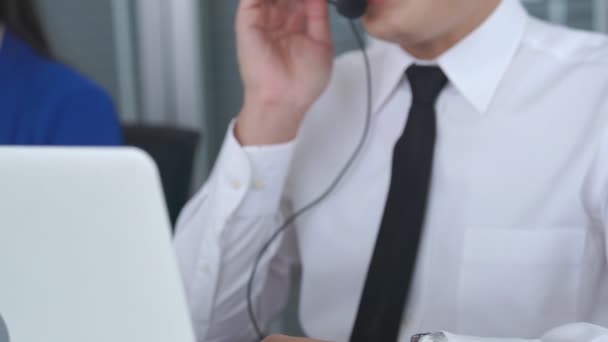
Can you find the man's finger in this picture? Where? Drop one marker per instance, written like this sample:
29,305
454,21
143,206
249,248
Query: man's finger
248,4
317,14
251,12
297,19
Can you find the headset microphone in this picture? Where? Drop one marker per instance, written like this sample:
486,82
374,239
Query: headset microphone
352,9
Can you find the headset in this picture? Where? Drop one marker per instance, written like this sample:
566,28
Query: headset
352,10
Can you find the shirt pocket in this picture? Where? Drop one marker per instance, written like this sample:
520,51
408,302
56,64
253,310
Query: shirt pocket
519,282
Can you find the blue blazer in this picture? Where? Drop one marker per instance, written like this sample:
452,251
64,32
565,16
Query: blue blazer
45,103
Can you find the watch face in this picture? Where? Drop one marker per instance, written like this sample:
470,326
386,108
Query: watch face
434,337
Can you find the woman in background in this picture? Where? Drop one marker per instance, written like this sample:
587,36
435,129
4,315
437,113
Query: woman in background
43,102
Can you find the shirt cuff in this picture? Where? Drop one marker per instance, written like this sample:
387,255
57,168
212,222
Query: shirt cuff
254,175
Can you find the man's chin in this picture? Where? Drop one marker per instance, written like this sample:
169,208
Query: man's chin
380,30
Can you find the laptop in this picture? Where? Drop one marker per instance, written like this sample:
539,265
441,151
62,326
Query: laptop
85,249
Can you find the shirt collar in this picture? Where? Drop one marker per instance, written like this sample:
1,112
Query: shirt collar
475,66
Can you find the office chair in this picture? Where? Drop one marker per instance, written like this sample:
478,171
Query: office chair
174,151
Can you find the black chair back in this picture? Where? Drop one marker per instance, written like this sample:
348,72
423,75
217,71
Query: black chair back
174,151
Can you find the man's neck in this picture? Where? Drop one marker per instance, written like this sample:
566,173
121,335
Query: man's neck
432,49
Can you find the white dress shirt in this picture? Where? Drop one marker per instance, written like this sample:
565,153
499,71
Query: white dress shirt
514,245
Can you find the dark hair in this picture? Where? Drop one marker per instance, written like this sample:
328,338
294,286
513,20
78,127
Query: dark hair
21,18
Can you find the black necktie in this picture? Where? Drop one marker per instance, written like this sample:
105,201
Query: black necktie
392,266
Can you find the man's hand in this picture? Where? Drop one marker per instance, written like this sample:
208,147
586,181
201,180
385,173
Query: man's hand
285,55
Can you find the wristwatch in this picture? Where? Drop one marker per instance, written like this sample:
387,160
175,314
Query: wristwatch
431,337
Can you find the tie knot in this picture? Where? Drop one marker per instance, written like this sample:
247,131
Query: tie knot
427,82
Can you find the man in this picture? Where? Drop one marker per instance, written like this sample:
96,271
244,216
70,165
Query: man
487,155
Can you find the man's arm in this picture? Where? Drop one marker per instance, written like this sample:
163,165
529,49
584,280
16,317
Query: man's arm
285,55
220,233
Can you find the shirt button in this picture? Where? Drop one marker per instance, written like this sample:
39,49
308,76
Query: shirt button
236,184
258,185
206,268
